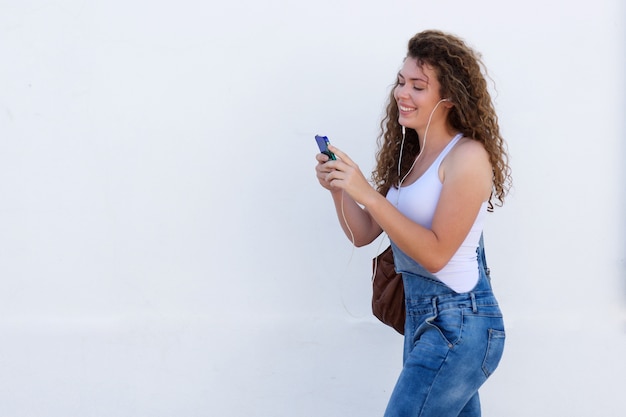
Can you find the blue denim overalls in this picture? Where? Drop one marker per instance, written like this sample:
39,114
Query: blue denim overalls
452,343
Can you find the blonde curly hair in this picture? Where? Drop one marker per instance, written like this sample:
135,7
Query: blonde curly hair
459,71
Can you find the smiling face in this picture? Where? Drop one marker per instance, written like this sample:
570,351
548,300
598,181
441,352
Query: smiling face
417,94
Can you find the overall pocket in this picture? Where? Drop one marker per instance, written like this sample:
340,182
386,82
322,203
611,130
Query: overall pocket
449,325
495,348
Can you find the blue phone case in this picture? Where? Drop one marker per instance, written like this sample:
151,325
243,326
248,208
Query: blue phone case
322,143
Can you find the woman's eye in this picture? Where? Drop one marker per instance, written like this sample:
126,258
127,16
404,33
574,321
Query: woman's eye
402,83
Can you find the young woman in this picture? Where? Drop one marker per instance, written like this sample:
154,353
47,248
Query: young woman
440,167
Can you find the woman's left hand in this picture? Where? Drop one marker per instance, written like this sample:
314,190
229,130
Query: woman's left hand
347,176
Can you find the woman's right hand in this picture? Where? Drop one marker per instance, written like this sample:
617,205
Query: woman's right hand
322,170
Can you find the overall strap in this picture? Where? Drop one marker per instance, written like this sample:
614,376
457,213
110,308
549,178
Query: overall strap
481,254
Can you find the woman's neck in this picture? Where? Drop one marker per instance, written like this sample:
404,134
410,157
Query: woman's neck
436,136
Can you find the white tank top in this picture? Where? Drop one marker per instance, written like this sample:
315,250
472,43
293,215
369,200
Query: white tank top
418,201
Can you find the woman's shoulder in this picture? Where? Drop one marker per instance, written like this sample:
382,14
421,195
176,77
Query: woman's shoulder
468,156
468,150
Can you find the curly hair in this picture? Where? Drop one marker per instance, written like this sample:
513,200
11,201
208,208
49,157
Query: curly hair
459,71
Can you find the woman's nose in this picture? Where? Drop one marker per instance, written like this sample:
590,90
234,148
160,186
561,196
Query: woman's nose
401,91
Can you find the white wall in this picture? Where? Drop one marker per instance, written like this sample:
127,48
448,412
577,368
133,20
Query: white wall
156,159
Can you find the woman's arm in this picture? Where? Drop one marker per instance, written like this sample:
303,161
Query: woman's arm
355,221
466,177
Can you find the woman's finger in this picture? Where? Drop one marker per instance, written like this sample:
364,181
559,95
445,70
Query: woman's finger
321,158
342,156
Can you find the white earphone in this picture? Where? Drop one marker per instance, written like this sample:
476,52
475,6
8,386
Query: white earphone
418,155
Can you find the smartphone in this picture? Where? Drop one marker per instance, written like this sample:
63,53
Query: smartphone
322,143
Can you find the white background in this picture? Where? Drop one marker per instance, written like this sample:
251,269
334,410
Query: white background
165,249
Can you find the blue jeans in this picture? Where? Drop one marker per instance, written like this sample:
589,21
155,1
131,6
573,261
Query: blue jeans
452,343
